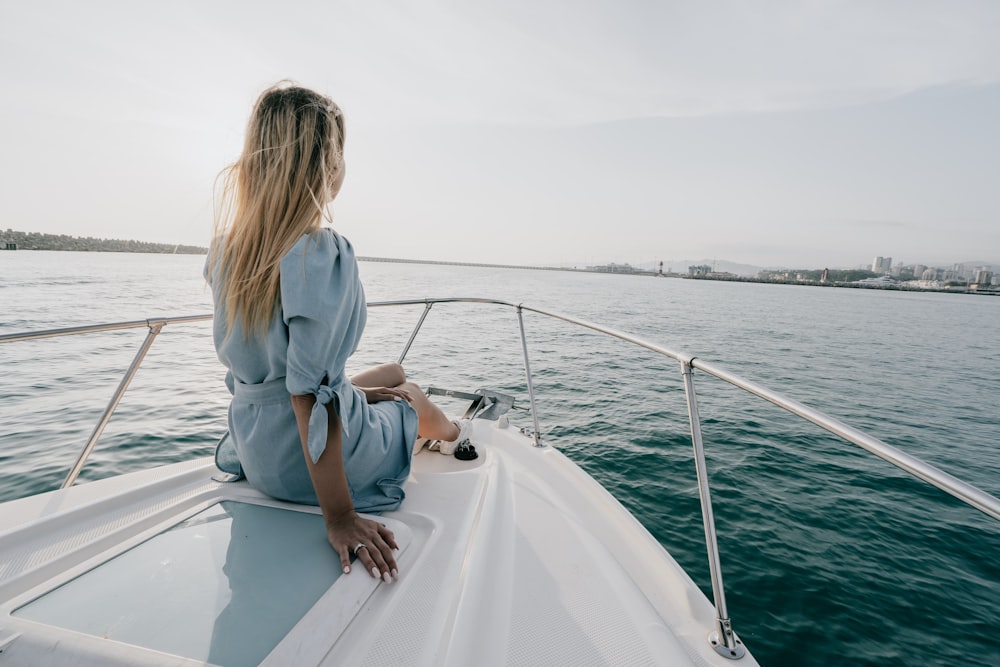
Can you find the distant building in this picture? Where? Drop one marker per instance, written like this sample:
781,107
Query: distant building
953,274
928,274
882,265
825,278
614,268
699,270
982,280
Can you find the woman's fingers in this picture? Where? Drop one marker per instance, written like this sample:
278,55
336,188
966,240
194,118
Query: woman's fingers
396,392
378,561
386,556
370,542
365,556
376,394
387,535
345,559
382,568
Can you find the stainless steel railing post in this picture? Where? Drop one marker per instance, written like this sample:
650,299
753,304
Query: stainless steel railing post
723,639
154,329
527,375
416,329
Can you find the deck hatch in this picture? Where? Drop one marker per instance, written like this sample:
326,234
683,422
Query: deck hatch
204,589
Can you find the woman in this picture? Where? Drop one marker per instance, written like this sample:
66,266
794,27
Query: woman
289,311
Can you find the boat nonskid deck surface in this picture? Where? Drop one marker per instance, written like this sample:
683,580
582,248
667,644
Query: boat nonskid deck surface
517,557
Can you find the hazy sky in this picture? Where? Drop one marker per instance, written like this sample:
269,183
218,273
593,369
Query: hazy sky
800,133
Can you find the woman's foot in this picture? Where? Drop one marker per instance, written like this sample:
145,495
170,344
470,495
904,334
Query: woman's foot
447,447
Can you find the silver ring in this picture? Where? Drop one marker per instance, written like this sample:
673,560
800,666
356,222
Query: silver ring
359,548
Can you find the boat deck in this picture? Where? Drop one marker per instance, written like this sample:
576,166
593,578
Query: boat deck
515,558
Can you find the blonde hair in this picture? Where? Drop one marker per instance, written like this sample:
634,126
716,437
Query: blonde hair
272,195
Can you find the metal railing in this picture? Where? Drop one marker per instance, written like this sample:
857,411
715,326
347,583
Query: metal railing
155,325
723,638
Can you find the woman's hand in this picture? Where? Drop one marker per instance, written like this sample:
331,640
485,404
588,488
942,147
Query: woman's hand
369,540
376,394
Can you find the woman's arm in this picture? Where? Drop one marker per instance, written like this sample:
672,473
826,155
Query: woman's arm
344,528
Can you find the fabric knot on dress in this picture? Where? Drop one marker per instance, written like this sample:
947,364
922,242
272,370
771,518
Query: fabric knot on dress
319,417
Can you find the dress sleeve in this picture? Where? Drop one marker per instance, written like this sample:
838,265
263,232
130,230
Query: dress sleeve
323,306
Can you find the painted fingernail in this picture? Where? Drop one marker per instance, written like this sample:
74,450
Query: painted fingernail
347,570
386,577
375,572
395,574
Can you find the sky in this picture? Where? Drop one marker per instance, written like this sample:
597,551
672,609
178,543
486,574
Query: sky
794,134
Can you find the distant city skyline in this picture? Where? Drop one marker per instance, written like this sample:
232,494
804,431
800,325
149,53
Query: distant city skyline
680,265
807,134
671,265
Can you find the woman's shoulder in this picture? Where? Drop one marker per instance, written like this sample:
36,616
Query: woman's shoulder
323,244
317,258
315,274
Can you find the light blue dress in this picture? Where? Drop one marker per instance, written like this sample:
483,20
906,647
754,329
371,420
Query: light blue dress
315,328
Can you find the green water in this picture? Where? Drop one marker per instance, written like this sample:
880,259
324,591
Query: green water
830,556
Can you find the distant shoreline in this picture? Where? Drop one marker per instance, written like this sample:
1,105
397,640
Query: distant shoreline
392,260
731,279
11,240
46,242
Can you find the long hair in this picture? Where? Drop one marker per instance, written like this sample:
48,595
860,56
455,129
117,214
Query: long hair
272,195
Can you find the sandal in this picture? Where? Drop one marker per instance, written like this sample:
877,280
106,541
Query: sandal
448,447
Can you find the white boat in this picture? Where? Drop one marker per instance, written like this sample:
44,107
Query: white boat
515,558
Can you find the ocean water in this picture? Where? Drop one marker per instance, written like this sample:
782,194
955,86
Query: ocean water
830,556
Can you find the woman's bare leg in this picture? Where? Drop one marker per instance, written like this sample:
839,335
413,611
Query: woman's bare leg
385,375
432,423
